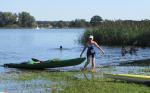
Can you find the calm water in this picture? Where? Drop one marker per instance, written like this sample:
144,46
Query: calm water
17,45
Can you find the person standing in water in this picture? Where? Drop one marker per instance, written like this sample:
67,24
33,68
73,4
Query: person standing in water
60,47
91,53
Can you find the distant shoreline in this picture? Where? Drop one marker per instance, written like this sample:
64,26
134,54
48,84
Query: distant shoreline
42,28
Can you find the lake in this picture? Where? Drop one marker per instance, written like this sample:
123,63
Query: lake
18,45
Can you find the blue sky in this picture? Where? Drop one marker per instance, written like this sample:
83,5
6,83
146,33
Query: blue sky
54,10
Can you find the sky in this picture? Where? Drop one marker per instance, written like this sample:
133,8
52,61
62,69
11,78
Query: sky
67,10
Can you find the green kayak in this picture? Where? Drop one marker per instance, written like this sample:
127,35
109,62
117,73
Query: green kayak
36,64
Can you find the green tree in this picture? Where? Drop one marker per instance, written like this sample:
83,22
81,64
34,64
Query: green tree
1,19
26,20
61,24
96,20
78,23
7,19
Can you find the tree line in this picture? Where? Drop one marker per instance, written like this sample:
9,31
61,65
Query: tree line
77,23
25,20
13,20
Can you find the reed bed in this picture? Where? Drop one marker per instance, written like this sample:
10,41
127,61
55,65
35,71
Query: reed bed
116,33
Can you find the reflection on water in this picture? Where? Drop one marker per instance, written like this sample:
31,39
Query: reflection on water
35,83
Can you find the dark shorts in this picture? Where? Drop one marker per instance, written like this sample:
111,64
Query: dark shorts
90,54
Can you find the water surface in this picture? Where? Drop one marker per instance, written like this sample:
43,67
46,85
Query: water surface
18,45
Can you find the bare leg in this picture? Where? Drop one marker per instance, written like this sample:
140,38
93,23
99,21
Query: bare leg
86,64
93,65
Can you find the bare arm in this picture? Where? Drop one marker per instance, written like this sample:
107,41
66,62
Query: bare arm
82,51
99,47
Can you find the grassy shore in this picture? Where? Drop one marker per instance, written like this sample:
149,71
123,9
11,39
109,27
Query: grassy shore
66,82
104,86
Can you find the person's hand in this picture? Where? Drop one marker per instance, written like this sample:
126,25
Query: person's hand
102,53
80,55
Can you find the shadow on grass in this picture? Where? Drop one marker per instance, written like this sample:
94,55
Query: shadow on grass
128,82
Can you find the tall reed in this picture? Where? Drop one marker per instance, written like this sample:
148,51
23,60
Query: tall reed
120,33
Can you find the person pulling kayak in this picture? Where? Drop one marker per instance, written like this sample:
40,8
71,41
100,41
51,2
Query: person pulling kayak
91,53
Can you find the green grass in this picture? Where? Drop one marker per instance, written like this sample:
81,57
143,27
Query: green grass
104,86
68,82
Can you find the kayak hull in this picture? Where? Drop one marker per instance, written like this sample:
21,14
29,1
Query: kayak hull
129,77
47,64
